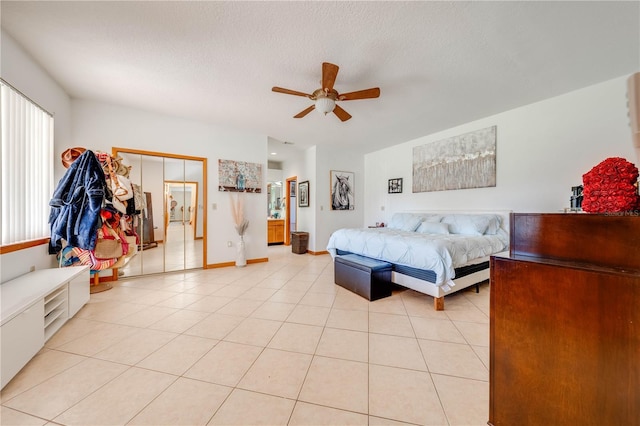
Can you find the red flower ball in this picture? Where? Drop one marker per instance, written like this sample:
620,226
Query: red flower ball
610,187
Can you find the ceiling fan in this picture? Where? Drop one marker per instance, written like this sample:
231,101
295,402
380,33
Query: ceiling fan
325,98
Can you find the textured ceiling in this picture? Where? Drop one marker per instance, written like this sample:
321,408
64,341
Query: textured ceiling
438,64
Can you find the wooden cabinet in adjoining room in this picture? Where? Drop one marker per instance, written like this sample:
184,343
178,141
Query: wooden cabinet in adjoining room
565,322
275,231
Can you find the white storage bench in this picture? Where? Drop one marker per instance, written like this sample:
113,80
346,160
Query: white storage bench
34,307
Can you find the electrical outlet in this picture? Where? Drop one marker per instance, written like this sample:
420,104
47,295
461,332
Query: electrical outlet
215,206
229,244
32,268
382,208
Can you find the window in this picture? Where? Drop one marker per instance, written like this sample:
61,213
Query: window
27,168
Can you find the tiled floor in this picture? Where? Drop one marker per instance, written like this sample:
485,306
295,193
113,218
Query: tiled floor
272,343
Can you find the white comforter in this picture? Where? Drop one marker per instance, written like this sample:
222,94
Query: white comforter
438,253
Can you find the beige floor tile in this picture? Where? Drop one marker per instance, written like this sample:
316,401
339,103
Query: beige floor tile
305,276
476,334
422,306
465,401
57,394
154,297
186,402
136,347
287,296
388,305
232,291
293,285
225,364
261,294
436,329
273,283
147,316
311,414
43,366
205,289
253,331
348,319
240,307
324,286
336,383
379,421
98,340
395,325
273,311
396,351
210,303
11,417
404,395
453,359
109,311
178,355
348,300
318,299
181,300
344,344
296,338
251,408
310,315
71,330
119,400
277,373
215,326
180,321
468,312
483,354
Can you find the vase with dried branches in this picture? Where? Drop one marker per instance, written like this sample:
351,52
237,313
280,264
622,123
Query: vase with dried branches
237,208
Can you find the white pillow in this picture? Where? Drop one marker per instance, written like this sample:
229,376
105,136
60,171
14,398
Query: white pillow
467,224
405,221
436,228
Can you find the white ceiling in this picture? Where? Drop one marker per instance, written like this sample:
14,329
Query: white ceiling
438,64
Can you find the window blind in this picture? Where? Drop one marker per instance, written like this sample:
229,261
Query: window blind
27,167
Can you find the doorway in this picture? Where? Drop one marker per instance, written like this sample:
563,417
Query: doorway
172,226
291,191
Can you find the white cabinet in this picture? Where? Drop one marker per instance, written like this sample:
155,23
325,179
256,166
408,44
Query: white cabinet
34,307
21,337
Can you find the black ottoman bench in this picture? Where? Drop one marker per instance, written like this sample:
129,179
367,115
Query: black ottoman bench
369,278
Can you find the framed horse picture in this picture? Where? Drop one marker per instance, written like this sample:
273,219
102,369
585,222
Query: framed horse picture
342,190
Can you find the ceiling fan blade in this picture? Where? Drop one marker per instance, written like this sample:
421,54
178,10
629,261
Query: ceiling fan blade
329,74
342,114
305,112
360,94
290,92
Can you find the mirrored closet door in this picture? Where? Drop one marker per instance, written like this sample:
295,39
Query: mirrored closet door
171,225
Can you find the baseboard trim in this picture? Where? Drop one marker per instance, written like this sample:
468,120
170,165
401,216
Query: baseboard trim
317,253
226,264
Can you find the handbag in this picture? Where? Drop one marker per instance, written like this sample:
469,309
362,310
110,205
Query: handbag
120,186
108,245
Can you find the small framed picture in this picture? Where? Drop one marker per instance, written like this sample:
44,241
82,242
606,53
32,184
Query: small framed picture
303,194
395,186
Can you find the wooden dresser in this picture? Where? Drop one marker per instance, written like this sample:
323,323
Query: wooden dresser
565,322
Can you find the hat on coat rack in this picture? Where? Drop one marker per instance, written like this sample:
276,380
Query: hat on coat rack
70,155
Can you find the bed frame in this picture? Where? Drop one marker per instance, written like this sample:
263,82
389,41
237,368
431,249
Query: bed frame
473,273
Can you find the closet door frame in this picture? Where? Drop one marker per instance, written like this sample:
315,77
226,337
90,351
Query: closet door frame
116,150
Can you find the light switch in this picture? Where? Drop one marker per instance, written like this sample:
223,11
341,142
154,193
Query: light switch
215,206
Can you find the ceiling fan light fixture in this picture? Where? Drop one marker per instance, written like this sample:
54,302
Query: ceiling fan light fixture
325,105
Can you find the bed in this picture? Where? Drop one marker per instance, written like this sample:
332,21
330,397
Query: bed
435,253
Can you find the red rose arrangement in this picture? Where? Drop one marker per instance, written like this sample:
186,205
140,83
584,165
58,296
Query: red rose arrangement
611,187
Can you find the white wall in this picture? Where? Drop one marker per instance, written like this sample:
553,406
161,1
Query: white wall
102,126
22,72
543,149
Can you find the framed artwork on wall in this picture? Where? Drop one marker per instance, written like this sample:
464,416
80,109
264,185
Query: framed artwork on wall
303,194
395,186
239,176
342,190
459,162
